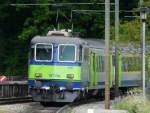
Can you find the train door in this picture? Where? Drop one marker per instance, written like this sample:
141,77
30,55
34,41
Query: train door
112,63
119,71
97,69
93,70
120,68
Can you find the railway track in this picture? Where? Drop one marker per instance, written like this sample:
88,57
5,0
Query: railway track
75,104
89,100
29,107
12,100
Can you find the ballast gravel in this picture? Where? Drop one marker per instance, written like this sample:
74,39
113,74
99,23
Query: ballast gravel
33,107
97,107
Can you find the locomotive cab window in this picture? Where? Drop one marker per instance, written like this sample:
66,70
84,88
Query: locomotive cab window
67,52
32,52
43,52
80,53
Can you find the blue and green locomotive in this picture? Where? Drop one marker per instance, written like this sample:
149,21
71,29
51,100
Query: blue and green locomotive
63,67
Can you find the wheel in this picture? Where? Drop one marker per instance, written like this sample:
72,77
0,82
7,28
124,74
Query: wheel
44,103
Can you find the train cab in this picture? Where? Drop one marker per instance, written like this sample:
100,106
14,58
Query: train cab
55,65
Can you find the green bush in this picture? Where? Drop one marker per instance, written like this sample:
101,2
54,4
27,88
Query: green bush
134,104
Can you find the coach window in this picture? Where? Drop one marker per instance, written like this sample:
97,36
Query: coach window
102,63
67,52
43,52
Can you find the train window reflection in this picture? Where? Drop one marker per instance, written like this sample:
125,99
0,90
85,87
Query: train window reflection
43,52
66,53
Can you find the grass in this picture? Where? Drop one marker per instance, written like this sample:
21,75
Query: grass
134,103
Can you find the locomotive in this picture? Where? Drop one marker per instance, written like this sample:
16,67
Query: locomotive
63,67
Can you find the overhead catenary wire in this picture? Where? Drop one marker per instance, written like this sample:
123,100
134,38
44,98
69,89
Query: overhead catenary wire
59,4
65,4
87,12
102,11
132,16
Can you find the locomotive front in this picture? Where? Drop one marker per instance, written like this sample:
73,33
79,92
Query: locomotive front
54,68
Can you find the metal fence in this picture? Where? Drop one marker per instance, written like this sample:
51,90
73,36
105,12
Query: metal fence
16,78
10,89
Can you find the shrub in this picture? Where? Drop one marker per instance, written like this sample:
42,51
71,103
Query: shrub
134,104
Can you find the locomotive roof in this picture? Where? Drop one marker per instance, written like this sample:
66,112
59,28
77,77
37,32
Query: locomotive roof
57,39
96,43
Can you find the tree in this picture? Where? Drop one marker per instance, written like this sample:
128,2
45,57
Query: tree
18,25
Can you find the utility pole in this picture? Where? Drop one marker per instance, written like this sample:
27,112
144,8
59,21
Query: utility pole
143,24
116,47
141,3
143,54
107,68
143,13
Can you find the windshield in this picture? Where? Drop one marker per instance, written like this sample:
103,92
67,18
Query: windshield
44,52
66,53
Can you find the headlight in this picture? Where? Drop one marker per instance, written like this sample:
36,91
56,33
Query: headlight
45,87
38,84
70,76
38,75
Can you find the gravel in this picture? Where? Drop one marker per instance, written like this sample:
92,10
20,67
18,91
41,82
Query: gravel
33,107
94,107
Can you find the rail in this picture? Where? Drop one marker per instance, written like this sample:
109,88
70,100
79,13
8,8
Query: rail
11,100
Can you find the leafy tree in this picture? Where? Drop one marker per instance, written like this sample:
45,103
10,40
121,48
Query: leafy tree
21,23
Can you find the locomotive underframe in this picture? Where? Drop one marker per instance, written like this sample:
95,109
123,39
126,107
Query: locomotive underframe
42,95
